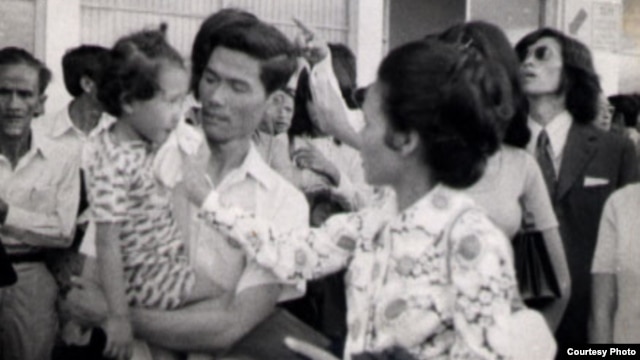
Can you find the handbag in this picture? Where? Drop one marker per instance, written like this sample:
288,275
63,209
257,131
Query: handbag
537,280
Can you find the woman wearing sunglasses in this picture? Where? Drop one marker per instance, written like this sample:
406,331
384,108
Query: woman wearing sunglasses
581,164
432,278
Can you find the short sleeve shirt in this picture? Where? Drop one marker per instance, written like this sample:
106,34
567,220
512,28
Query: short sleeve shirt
512,181
122,188
617,252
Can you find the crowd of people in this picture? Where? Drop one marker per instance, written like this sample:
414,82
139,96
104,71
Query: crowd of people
257,204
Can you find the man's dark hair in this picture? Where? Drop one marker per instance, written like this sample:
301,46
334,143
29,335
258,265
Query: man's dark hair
243,32
86,60
627,105
14,55
202,47
579,81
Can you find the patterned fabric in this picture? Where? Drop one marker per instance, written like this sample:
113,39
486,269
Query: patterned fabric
122,189
436,279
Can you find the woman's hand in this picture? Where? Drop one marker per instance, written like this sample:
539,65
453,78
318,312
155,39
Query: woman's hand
310,351
313,47
196,181
119,338
311,158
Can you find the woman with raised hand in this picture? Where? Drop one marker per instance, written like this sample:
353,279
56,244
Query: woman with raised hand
434,277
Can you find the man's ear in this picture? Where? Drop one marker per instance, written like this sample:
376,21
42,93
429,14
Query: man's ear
39,110
87,84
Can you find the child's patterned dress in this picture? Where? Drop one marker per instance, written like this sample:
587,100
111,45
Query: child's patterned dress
123,189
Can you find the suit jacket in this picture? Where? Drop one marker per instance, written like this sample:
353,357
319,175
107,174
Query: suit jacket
594,165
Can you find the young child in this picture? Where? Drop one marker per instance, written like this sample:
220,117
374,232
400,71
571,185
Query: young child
141,256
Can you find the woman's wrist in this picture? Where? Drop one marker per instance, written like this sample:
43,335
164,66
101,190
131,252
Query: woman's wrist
210,201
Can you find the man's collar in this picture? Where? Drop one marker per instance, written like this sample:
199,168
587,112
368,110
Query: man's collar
557,130
560,120
254,166
40,143
62,123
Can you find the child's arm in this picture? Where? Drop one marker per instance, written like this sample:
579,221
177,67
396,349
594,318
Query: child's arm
117,326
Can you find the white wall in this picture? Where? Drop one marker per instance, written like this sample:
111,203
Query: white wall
605,52
369,48
62,31
64,26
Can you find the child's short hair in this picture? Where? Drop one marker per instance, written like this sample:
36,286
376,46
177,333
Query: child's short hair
85,60
12,55
134,67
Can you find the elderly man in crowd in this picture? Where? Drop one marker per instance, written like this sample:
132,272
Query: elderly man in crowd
39,194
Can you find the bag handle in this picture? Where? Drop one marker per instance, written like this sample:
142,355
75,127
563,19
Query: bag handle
528,222
447,236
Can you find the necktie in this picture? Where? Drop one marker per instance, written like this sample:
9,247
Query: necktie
545,160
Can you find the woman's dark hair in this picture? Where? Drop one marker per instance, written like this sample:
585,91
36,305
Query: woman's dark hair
491,42
343,62
628,106
136,61
244,33
580,82
453,98
301,124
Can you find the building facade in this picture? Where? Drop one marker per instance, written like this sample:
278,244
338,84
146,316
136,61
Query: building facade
370,27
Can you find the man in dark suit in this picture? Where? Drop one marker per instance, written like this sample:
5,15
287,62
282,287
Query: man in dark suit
582,165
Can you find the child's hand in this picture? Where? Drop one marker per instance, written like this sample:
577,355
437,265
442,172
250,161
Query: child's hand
196,182
119,338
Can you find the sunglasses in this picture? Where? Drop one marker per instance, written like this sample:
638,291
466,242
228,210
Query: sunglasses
540,53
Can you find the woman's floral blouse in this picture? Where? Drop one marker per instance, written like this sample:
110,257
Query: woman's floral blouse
436,279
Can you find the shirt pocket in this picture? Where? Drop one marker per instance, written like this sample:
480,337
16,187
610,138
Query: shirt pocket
39,197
